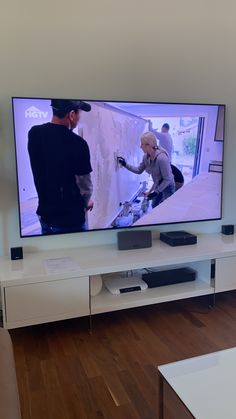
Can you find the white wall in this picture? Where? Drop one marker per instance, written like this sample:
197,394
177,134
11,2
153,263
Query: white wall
125,50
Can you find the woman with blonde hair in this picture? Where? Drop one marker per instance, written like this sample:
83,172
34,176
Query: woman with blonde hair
156,162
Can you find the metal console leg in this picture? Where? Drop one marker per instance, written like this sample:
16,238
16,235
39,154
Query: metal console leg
211,301
90,308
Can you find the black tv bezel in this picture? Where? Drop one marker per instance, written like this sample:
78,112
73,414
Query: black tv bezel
125,227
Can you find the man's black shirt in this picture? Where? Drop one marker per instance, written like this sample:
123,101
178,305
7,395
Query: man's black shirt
56,156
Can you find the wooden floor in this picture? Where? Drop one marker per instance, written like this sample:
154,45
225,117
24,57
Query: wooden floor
64,372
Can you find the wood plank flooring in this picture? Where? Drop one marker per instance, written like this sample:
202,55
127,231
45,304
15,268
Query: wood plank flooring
64,372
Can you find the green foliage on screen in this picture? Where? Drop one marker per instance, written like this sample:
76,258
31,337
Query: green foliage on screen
189,145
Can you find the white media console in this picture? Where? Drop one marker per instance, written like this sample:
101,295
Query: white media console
30,295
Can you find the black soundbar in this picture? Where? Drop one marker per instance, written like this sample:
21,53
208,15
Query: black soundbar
169,277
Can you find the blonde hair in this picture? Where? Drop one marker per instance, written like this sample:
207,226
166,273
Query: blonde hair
149,138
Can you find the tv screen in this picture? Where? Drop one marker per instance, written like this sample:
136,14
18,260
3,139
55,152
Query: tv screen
94,165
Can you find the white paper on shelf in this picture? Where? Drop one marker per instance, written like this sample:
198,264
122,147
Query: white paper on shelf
61,265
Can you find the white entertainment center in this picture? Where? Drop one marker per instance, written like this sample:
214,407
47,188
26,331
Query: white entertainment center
30,295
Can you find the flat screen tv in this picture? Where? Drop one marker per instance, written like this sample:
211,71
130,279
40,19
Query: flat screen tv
95,165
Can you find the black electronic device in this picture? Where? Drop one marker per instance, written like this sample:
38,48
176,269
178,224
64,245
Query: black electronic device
178,238
130,289
127,240
169,277
227,229
16,253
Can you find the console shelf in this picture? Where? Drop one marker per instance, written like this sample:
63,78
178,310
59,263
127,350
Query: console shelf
30,295
105,301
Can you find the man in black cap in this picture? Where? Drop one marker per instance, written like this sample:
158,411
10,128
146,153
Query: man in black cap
60,162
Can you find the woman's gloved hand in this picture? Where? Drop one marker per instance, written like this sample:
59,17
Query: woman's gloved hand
122,161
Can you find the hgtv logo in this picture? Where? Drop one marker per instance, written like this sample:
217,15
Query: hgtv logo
34,112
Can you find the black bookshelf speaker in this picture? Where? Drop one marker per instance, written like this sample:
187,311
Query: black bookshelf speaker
16,253
134,239
227,229
139,239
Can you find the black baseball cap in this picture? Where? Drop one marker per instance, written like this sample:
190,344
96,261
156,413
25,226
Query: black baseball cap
68,105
